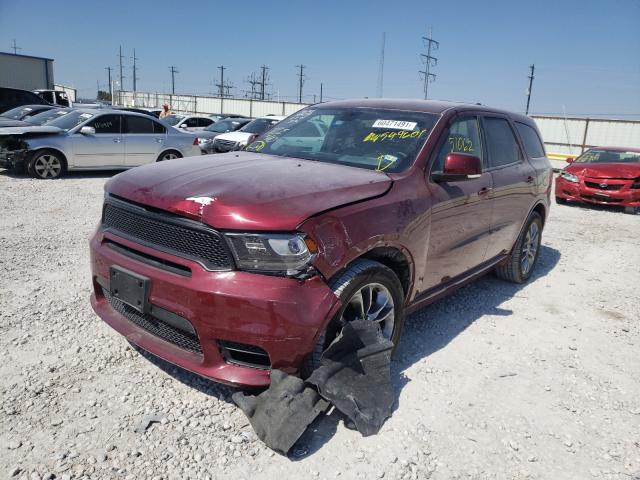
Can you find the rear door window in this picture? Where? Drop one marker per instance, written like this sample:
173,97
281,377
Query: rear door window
532,144
157,128
138,125
204,122
502,147
463,137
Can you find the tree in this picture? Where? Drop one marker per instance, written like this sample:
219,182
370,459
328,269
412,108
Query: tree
102,95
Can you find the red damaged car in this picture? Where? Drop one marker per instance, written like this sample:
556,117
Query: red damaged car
234,264
604,175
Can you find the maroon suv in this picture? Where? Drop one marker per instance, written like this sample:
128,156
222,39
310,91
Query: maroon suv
233,264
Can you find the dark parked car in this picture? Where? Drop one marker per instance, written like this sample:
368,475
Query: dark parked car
225,125
344,210
13,97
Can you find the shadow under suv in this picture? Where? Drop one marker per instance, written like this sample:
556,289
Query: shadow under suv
234,264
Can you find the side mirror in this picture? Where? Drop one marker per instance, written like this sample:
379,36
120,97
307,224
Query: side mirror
459,166
570,159
88,130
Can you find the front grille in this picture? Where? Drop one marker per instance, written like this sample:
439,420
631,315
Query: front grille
607,186
180,237
155,326
225,145
244,354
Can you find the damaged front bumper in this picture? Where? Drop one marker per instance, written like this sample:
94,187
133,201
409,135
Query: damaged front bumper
14,159
232,327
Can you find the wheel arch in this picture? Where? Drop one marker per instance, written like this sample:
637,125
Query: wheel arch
38,150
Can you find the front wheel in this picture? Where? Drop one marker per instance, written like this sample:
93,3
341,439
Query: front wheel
46,165
370,291
524,257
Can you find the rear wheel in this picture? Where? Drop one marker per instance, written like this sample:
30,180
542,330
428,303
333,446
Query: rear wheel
525,253
169,155
46,164
368,290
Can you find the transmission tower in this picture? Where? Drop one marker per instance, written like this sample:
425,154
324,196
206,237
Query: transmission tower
264,79
173,71
429,61
15,47
381,67
121,74
255,84
301,81
135,71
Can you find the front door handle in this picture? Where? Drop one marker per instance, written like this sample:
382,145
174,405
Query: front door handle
117,140
529,179
484,190
159,140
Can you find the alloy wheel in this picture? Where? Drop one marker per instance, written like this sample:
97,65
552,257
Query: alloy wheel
371,302
530,248
169,156
47,166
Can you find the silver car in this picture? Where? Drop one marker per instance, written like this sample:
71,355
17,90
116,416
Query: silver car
190,123
90,139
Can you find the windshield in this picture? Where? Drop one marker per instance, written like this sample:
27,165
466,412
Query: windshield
44,117
70,120
259,125
376,139
224,126
17,113
608,156
173,119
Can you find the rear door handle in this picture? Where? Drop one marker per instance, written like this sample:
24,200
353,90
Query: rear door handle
484,190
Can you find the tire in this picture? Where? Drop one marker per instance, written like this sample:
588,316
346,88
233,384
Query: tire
370,276
519,268
561,201
169,155
47,165
631,210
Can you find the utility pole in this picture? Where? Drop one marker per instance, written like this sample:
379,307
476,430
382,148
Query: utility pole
531,77
429,61
97,89
320,92
15,47
108,69
220,85
135,71
121,75
264,81
173,79
301,75
381,66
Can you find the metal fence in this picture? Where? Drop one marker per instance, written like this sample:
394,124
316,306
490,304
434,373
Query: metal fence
206,105
570,136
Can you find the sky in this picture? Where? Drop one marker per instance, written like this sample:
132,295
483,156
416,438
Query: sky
586,53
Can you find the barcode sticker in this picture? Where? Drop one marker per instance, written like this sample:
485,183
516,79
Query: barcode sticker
394,124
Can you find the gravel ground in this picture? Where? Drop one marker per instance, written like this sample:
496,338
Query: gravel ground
498,381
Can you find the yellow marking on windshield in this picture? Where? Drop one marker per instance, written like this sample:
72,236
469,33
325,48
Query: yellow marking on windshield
375,137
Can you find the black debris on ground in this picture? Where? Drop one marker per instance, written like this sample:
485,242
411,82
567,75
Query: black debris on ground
281,414
354,375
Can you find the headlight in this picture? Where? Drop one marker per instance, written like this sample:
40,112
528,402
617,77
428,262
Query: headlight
569,177
287,254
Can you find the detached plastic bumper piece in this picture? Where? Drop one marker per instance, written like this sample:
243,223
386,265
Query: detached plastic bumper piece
355,375
281,414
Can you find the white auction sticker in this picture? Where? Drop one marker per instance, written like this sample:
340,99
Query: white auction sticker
394,124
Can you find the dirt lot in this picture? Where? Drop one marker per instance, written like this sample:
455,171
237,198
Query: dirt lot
499,381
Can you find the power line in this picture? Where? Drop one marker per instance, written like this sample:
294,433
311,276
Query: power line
429,61
381,66
173,79
301,75
15,47
531,77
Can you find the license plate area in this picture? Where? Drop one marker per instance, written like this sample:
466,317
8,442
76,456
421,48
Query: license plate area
130,288
601,195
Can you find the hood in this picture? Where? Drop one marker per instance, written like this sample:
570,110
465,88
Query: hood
247,191
236,136
605,170
34,129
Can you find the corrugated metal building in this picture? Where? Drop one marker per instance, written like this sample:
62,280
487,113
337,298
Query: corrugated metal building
25,72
